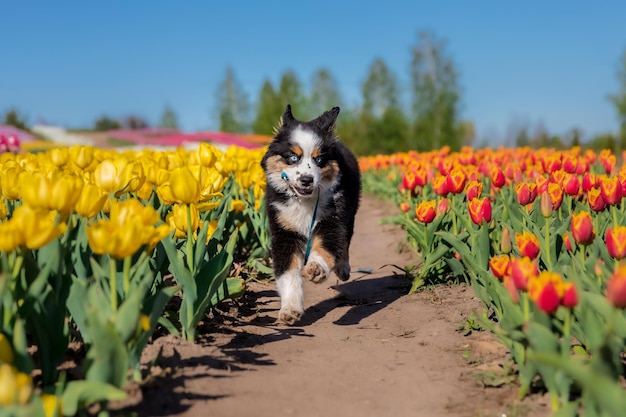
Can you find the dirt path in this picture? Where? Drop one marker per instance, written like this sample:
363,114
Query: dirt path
364,348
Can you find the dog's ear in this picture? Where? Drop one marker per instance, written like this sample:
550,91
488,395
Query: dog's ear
326,122
286,119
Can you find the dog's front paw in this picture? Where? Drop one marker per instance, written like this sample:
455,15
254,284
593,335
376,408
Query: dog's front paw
314,272
289,315
343,270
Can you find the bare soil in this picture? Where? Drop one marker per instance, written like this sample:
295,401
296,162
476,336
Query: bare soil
364,348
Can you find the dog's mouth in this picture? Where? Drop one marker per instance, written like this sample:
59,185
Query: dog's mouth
304,191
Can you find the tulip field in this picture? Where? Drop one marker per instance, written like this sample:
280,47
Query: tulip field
104,247
541,237
94,245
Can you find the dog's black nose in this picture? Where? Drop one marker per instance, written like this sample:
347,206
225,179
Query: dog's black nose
306,180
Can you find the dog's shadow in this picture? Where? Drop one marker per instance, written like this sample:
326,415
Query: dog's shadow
365,297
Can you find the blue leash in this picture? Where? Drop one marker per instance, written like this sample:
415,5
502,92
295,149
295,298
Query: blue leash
285,178
309,241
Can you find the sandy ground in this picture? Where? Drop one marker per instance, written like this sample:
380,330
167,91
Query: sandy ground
364,348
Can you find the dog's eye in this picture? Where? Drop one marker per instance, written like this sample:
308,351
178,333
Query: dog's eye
319,161
293,158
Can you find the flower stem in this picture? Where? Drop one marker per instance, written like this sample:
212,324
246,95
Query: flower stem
126,274
547,245
190,260
113,282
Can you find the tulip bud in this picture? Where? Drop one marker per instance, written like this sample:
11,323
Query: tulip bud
546,205
582,228
505,241
405,207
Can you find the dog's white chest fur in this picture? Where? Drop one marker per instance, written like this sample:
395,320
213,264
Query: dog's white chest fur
299,213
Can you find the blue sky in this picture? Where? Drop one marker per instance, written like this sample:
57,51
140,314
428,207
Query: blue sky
521,63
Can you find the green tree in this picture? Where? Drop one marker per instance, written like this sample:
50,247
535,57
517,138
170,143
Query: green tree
169,120
268,110
619,100
232,104
104,123
324,92
384,123
290,91
13,118
435,95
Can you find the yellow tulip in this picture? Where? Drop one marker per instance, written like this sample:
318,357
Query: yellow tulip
205,155
118,241
12,236
52,405
237,206
15,387
9,181
145,191
184,186
90,201
115,175
6,351
81,156
38,227
211,230
58,156
4,211
50,191
159,233
178,220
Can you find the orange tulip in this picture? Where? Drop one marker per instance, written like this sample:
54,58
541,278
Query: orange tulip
500,266
571,185
440,185
555,191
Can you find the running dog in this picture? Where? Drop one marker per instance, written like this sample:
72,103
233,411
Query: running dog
313,193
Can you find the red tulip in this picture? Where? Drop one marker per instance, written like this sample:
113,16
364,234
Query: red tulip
497,177
568,243
527,244
440,185
443,206
510,287
555,192
473,190
526,192
570,164
522,270
616,287
569,298
582,228
425,211
571,185
480,210
456,180
544,291
615,239
405,207
590,180
542,183
409,181
611,190
421,177
595,200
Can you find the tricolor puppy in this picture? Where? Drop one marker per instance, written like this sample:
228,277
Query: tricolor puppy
313,192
